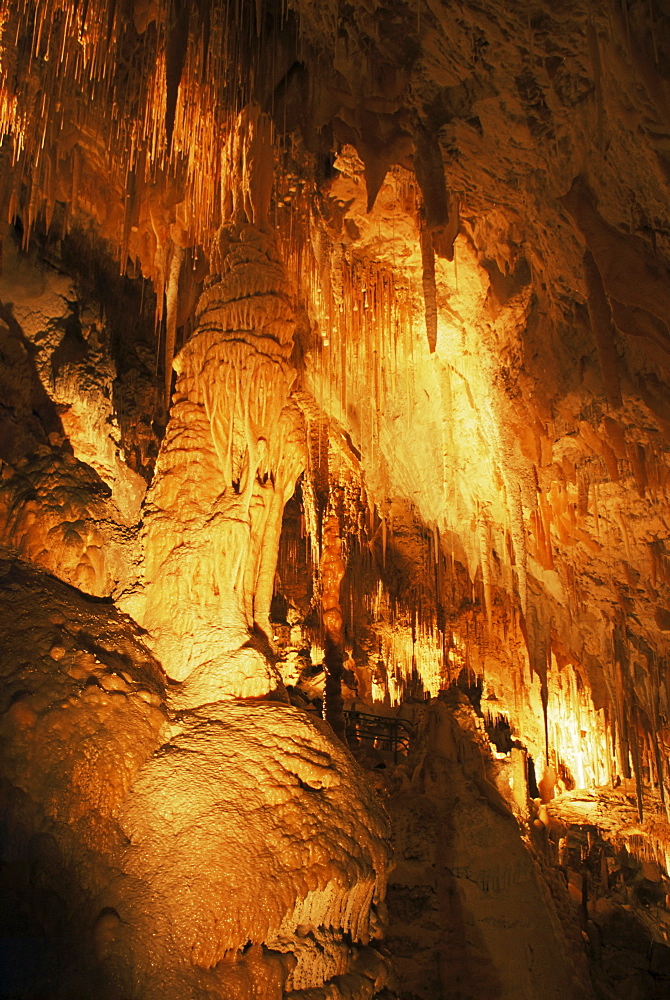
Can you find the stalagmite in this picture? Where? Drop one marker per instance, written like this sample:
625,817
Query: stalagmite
233,851
232,454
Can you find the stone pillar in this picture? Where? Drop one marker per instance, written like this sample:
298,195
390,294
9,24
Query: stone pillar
233,451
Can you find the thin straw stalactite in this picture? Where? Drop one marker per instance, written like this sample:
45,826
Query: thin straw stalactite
126,97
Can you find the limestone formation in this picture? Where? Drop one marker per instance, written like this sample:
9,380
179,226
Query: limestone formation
334,353
234,851
231,457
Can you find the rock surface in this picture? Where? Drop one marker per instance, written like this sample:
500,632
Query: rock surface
234,850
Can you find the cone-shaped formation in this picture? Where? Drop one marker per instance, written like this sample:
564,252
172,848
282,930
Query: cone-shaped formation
230,460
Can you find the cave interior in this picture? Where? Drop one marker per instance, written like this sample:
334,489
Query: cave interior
334,526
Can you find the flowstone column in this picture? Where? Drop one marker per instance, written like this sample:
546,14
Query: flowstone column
233,451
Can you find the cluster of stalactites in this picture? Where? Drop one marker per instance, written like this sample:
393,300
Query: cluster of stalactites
86,88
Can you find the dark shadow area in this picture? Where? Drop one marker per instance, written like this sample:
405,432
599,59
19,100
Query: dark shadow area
27,416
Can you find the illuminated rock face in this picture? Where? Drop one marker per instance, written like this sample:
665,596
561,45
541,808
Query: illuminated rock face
68,500
258,811
55,512
232,454
235,852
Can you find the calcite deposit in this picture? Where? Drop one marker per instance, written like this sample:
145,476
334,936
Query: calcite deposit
233,850
334,351
230,460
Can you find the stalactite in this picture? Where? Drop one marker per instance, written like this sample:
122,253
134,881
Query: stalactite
637,762
175,57
621,703
429,169
178,92
484,556
172,303
429,289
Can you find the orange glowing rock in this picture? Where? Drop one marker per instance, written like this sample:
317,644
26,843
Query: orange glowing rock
235,848
233,451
